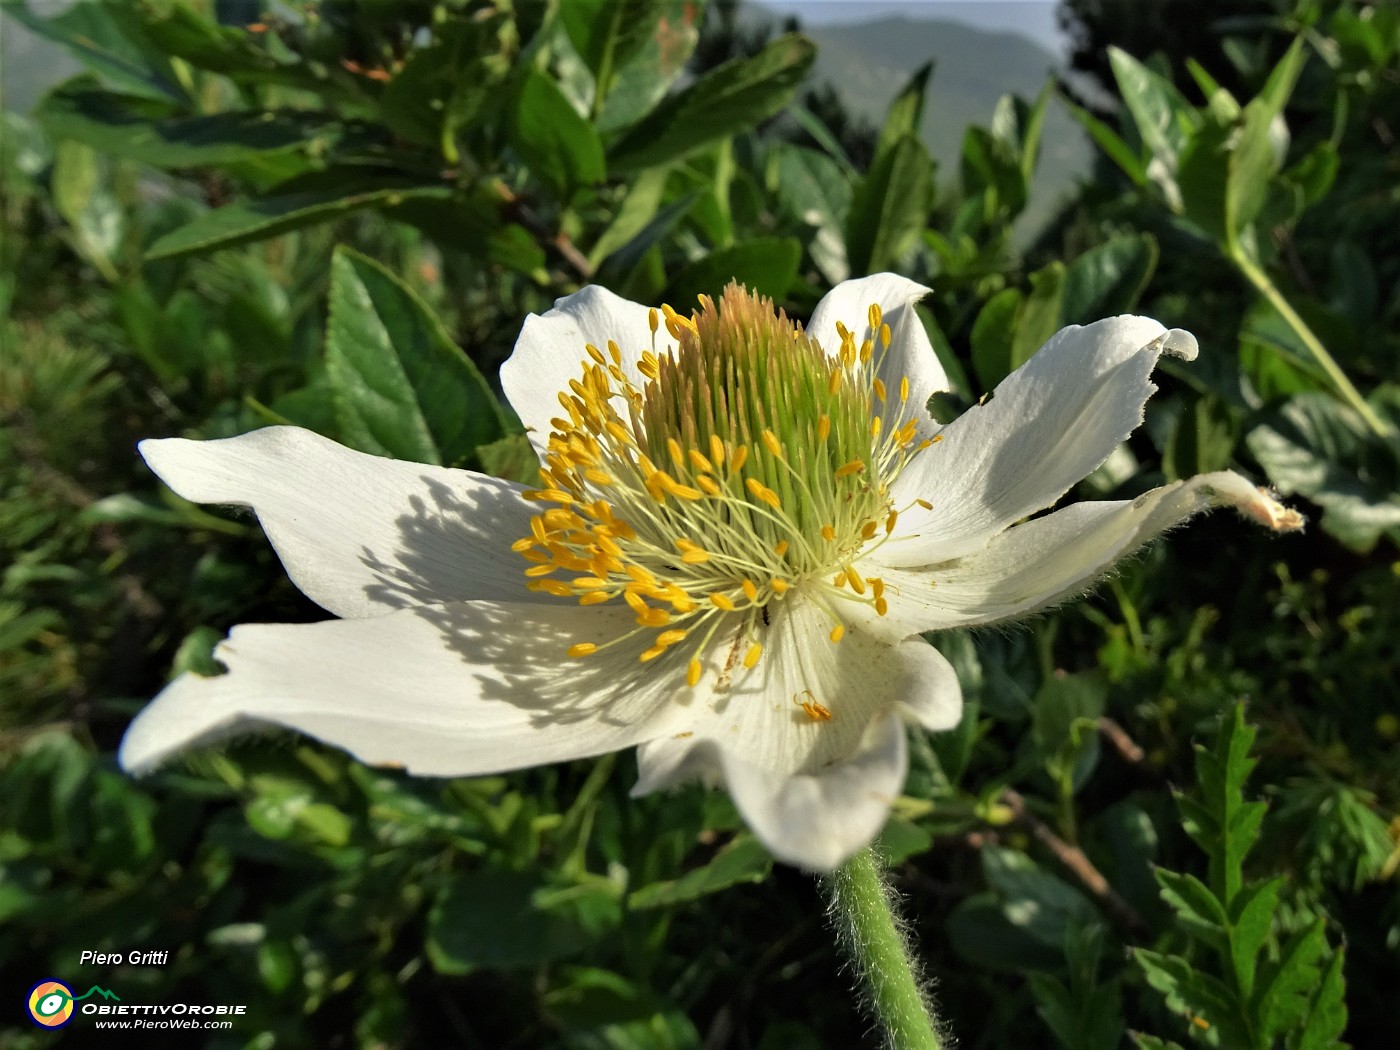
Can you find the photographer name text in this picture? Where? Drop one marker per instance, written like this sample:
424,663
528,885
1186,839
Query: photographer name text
136,958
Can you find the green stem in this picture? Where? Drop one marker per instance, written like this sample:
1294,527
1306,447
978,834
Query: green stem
862,907
1266,287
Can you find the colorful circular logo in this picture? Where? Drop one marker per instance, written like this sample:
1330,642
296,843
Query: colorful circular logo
51,1004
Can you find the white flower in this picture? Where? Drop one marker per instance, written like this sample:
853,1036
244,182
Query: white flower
742,531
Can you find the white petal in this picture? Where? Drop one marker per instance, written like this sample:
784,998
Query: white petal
551,351
799,779
360,535
1049,424
1053,558
910,353
448,690
817,820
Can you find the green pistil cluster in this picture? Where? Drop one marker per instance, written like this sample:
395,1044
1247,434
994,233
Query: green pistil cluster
750,463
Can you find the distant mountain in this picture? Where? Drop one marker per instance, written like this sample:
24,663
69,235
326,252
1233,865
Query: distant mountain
868,63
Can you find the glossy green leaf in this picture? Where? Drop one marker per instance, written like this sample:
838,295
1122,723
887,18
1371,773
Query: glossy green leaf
743,860
1198,912
1285,987
992,334
1108,279
1251,921
729,99
1192,993
555,142
494,918
644,79
1163,117
608,34
402,388
890,208
906,112
766,265
1327,1016
143,130
258,218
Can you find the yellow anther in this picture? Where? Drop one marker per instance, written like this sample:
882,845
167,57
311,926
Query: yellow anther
829,533
779,585
890,522
539,570
588,583
837,633
877,585
674,448
594,598
879,389
669,638
652,653
538,557
655,618
699,462
857,583
780,548
615,352
599,477
678,490
876,425
868,530
875,315
595,353
558,588
936,439
692,673
738,458
881,606
653,320
904,389
855,466
637,605
721,601
834,383
707,485
582,649
924,503
537,529
763,493
839,580
867,349
823,427
771,443
641,575
547,496
751,657
716,451
750,591
885,335
522,545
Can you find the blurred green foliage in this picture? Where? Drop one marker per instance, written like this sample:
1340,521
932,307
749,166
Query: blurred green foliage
339,215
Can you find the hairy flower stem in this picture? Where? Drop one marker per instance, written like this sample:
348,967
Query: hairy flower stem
862,909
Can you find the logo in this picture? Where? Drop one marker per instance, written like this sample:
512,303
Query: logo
51,1002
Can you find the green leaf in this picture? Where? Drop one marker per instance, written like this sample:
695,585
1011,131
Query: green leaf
1317,447
1111,143
1163,117
608,34
813,189
643,79
1108,279
1193,994
402,388
638,208
1202,440
1198,911
144,130
740,861
1251,920
766,265
992,334
108,37
1222,823
505,919
890,208
444,87
1035,901
258,218
1285,988
906,113
729,99
1143,1041
1327,1016
511,457
555,142
991,166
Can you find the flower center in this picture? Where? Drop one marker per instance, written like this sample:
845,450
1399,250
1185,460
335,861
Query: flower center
748,466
